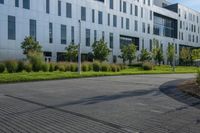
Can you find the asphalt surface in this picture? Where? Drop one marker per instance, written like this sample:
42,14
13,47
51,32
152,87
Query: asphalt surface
121,104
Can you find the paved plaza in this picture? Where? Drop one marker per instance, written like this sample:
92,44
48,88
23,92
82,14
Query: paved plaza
118,104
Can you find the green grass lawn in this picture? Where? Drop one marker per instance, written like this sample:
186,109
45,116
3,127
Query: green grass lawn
33,76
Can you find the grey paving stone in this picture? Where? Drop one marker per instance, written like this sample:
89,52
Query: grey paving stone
121,104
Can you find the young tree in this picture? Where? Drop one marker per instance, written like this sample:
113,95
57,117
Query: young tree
159,56
145,55
170,53
29,45
128,53
100,50
72,52
195,54
124,51
131,55
185,56
157,52
123,56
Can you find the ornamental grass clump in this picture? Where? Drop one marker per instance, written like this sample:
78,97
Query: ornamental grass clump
74,67
85,67
20,67
147,66
52,67
96,66
198,78
27,67
105,67
37,61
45,67
11,66
2,67
113,68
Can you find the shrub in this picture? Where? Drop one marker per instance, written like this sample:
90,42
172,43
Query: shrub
85,67
96,66
60,66
105,67
36,59
28,67
2,67
74,67
122,66
20,67
45,67
139,64
118,68
90,66
67,67
147,66
113,68
11,66
52,67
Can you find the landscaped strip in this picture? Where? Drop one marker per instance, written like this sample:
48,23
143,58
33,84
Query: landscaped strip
39,76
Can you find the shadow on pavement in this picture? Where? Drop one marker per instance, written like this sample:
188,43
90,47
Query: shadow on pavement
105,98
170,89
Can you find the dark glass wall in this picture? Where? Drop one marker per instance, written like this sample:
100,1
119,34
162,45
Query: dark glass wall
165,26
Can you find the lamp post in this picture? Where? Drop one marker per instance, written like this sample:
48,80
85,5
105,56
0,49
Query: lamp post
174,58
79,49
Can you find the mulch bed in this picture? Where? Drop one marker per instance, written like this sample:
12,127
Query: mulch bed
190,87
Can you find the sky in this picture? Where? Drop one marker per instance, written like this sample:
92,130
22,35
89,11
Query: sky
194,4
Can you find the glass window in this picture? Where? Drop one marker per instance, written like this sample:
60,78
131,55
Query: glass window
127,24
127,40
148,29
111,40
47,6
1,1
136,25
165,26
93,15
95,35
136,10
103,35
124,6
151,15
108,19
87,37
150,47
149,2
11,28
100,17
122,22
68,10
111,4
143,27
131,9
59,8
16,3
50,32
72,34
83,13
141,12
114,20
63,34
120,5
26,4
33,29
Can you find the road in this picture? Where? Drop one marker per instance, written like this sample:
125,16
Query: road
118,104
